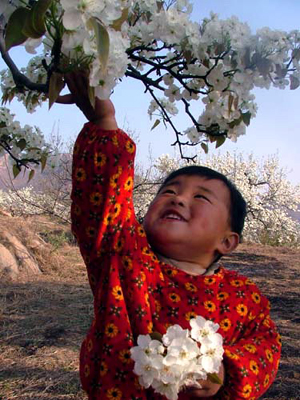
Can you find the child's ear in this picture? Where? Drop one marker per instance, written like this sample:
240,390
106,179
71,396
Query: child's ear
229,243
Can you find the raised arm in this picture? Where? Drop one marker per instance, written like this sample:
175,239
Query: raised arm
102,114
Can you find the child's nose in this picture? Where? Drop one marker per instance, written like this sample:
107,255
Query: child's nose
179,200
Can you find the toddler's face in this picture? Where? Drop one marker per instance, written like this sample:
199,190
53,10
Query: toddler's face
189,219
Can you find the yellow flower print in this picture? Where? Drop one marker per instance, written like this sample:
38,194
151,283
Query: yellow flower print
125,356
114,180
250,347
231,355
146,251
111,330
249,282
103,368
127,262
266,380
236,283
191,287
80,174
147,299
150,327
174,297
116,210
143,276
128,184
141,232
114,140
189,315
266,322
86,370
171,272
251,316
119,244
157,306
269,355
254,367
222,296
209,280
77,210
129,146
225,324
129,214
117,293
278,339
107,220
255,297
99,159
210,306
247,389
76,149
90,231
90,345
242,310
96,198
114,394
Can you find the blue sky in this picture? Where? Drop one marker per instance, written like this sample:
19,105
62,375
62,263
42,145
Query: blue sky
276,129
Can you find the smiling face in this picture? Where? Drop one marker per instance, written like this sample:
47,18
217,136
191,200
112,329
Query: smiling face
189,220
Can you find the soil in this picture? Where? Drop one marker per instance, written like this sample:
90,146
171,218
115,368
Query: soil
44,320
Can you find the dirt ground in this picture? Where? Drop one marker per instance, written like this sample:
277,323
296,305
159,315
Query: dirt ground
44,320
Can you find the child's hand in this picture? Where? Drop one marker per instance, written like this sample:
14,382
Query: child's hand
208,388
103,114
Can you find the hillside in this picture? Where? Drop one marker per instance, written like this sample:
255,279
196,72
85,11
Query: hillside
44,317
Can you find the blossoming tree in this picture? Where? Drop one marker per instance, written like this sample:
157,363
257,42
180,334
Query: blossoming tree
217,63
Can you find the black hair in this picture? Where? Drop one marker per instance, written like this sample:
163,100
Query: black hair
238,207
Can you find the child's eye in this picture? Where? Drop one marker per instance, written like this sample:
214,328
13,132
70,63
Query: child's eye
169,191
200,196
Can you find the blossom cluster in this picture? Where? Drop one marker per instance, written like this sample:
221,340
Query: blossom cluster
217,63
23,144
180,359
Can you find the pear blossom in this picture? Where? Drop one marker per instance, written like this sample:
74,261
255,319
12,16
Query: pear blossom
178,360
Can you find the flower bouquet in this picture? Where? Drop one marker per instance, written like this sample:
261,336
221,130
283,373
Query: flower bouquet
179,358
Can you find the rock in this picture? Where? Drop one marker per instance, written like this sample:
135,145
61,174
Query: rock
15,257
8,264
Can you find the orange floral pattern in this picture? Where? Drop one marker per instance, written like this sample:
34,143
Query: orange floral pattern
136,294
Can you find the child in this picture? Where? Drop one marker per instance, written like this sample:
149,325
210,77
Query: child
145,279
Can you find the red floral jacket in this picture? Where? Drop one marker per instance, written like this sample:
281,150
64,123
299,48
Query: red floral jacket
135,293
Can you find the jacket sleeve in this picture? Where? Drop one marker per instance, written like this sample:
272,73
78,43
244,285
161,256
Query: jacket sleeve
251,359
101,195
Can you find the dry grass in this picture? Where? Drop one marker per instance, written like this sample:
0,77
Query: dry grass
44,320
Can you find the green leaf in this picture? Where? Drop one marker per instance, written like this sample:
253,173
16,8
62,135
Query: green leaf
246,117
220,140
43,161
28,28
21,144
156,123
204,147
214,378
16,170
156,336
31,175
56,84
14,35
38,15
117,24
102,40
